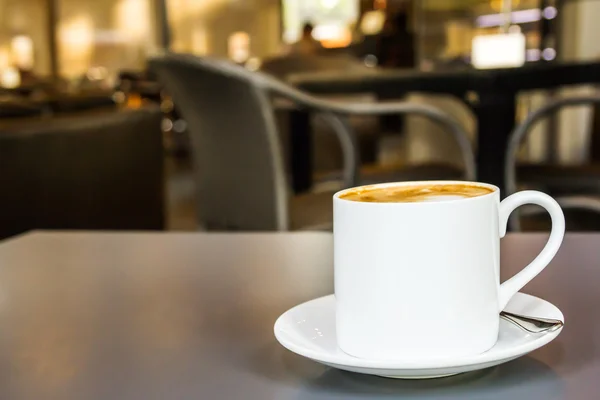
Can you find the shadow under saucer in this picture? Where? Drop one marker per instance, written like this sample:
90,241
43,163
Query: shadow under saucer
520,379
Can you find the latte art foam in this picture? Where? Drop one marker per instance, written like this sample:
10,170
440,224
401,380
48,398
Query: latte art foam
413,194
445,197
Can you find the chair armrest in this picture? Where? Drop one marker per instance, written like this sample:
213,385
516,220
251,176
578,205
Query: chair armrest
589,203
522,130
339,108
349,145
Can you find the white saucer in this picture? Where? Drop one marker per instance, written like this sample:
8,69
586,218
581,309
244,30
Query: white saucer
309,330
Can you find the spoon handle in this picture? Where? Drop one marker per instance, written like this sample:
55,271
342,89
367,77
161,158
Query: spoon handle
532,324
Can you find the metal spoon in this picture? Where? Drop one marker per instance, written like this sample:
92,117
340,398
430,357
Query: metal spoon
532,324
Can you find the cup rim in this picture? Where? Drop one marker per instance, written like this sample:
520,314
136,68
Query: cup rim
494,189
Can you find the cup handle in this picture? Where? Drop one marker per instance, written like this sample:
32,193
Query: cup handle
511,286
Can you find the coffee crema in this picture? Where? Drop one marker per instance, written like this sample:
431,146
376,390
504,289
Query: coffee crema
415,193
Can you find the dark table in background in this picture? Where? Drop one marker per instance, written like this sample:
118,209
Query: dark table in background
17,106
495,89
190,316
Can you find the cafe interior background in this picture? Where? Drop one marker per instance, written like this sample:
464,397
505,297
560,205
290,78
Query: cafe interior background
93,43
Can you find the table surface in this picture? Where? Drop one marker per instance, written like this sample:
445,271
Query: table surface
182,316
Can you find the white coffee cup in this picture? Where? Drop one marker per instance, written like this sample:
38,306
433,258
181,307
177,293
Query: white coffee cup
417,280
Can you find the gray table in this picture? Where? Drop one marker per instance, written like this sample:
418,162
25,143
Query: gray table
190,316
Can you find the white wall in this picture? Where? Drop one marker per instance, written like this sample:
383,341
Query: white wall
204,26
116,34
27,17
120,34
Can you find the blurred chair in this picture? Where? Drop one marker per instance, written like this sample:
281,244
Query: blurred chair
15,107
83,171
71,103
326,150
141,83
595,135
240,174
368,129
576,188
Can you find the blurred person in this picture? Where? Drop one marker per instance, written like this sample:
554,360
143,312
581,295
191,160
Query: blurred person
396,48
307,45
28,77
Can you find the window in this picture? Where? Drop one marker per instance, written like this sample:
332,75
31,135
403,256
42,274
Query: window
108,35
